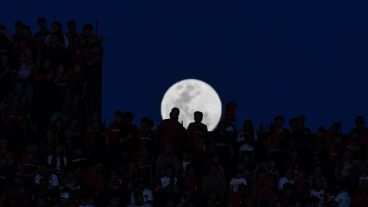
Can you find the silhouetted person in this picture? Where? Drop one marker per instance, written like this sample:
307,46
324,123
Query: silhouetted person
43,32
171,132
197,133
128,132
302,139
5,76
5,41
147,134
90,57
39,39
113,131
73,39
359,133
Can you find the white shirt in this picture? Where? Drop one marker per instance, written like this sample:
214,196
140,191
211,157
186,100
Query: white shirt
58,161
318,194
185,164
246,148
343,199
147,196
165,181
235,182
24,71
53,181
284,180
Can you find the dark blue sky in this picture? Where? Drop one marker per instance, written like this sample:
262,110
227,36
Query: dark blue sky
271,57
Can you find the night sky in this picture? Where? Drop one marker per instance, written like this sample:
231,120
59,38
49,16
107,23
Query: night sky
271,57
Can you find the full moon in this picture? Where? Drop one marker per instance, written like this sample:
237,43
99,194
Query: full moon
192,95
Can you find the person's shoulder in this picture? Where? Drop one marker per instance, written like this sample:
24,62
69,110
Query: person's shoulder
164,121
191,125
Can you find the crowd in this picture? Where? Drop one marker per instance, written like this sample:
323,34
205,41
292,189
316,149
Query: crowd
54,155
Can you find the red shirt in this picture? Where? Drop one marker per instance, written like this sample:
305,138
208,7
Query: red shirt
113,131
93,180
196,132
171,132
359,199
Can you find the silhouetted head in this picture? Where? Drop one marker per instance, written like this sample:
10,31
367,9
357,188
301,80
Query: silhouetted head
88,29
300,121
128,117
292,123
118,115
26,30
359,122
247,125
147,123
72,26
279,121
18,27
174,114
2,29
42,23
198,116
56,27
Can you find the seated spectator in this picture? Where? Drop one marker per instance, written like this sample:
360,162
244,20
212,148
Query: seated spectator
94,178
237,181
247,133
343,198
64,115
167,158
246,138
301,186
168,182
17,194
58,159
317,175
246,165
317,193
222,144
363,177
265,185
214,182
29,159
70,181
144,191
6,156
190,181
47,175
145,162
360,198
288,178
287,196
